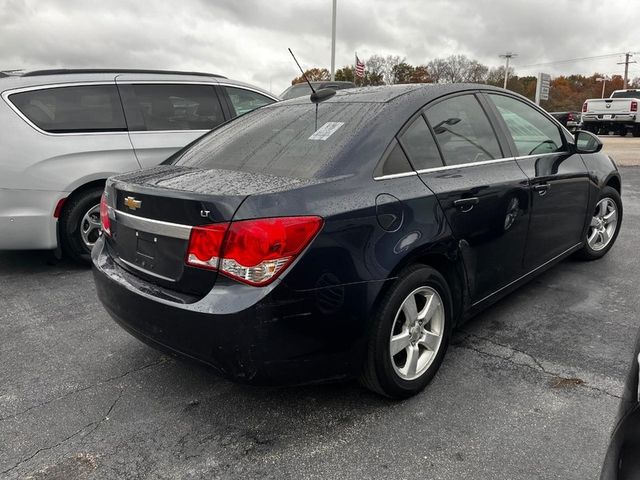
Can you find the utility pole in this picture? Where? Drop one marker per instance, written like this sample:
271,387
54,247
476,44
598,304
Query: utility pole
333,41
626,63
508,57
604,83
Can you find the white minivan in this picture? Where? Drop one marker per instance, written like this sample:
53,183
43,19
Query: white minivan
63,132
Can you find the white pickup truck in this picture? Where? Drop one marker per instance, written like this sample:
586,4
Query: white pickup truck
618,113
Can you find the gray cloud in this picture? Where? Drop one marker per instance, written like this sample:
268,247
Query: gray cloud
247,40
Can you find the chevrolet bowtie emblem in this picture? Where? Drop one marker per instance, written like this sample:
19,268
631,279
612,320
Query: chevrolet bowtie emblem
132,203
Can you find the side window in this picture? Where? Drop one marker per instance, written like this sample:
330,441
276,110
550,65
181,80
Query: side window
418,142
244,101
463,131
532,132
395,162
171,107
90,108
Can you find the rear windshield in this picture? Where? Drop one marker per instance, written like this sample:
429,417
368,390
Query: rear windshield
631,94
281,139
296,91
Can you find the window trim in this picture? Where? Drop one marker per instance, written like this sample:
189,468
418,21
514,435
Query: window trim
7,93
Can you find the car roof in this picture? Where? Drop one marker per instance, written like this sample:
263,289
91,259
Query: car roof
9,81
403,93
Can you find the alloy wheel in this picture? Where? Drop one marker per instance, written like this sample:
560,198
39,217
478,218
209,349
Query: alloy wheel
603,224
417,333
90,227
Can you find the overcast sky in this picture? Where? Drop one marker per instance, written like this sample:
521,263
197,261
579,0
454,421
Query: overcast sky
248,39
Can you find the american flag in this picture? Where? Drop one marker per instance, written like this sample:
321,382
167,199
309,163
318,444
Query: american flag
359,67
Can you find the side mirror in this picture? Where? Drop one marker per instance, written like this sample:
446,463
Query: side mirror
587,142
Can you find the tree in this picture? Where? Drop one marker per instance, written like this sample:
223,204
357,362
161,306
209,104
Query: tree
313,74
345,74
437,69
420,75
402,73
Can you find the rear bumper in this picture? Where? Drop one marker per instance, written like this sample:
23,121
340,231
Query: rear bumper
602,119
26,219
272,335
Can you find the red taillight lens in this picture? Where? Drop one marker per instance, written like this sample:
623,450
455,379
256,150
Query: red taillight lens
634,106
104,216
584,106
252,251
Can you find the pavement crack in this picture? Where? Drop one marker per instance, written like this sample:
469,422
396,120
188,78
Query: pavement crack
85,388
95,424
537,365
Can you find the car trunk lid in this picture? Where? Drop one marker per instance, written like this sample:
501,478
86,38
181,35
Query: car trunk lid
153,211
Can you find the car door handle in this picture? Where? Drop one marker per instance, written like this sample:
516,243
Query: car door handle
466,204
541,188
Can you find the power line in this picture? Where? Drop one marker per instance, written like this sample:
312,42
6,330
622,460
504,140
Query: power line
609,55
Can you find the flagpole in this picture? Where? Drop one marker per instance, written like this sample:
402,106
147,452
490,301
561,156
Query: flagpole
333,42
355,65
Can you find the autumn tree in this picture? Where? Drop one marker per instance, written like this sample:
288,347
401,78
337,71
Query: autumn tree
314,75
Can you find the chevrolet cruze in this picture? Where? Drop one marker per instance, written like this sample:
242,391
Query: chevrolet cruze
315,240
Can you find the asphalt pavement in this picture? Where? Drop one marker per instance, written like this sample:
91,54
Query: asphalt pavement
528,390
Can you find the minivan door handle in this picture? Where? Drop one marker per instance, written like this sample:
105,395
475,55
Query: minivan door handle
541,188
466,204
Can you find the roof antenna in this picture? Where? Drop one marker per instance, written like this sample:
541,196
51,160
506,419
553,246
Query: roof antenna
302,71
317,96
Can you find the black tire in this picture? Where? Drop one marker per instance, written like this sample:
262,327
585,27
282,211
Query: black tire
72,215
623,131
379,373
587,252
636,131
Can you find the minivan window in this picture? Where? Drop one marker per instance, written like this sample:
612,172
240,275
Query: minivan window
532,132
87,108
244,101
420,145
463,131
284,140
165,107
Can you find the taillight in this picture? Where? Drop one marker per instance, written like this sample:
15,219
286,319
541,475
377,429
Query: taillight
256,251
584,106
634,106
570,117
104,216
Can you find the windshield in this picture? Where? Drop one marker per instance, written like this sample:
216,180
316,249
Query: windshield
629,94
282,139
296,91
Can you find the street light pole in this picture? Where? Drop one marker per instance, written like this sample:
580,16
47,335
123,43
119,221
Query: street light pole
333,41
507,56
604,82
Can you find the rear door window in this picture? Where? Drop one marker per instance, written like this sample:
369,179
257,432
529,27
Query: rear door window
87,108
244,101
463,130
420,146
532,132
166,107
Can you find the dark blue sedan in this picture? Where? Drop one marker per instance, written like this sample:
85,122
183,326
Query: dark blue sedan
306,241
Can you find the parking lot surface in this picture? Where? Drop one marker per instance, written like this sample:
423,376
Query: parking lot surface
624,150
529,389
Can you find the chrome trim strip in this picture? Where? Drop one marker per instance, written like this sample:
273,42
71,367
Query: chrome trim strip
465,165
144,270
527,274
156,227
396,175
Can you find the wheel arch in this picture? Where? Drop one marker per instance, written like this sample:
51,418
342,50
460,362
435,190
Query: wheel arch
445,259
614,182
